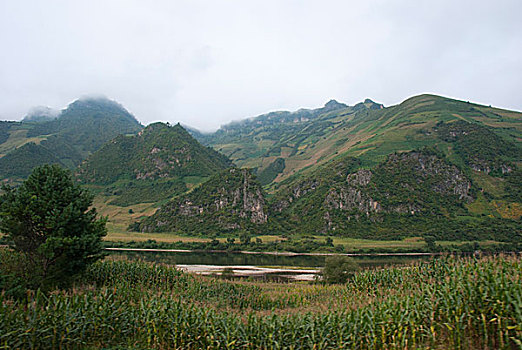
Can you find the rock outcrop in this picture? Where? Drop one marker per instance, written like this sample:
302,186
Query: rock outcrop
410,183
230,200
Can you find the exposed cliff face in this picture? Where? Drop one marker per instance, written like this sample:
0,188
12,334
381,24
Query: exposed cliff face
230,200
352,195
413,183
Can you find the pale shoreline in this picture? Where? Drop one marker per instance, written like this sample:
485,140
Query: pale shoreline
251,271
268,253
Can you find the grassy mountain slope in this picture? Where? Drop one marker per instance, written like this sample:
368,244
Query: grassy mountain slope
79,130
366,131
257,142
153,165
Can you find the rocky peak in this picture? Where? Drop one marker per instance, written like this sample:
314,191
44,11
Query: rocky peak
368,104
333,105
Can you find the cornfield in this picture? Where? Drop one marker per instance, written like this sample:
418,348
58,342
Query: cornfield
460,303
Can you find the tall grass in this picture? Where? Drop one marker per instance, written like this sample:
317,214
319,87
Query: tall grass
448,303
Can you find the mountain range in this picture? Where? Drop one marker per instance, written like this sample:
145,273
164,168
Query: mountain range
428,166
368,131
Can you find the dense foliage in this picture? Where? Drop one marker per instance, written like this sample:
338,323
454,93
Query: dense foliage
480,148
448,303
49,220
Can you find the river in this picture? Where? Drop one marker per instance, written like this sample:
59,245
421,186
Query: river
257,265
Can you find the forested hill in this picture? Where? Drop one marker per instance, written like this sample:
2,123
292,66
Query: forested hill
157,163
80,129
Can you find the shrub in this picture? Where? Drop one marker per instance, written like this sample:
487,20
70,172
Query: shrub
338,269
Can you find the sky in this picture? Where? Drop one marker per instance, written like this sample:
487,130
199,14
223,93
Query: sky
206,63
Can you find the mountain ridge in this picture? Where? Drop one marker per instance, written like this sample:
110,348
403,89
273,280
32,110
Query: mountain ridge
369,131
429,165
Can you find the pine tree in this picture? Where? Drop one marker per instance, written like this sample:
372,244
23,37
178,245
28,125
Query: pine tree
49,220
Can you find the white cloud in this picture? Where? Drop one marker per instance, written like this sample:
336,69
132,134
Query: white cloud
205,63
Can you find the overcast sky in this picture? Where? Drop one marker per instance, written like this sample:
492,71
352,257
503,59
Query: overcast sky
205,63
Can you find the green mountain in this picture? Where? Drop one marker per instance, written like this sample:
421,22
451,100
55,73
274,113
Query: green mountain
231,200
367,131
157,163
430,166
80,129
410,194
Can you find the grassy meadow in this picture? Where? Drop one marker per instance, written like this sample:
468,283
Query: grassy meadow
460,303
119,233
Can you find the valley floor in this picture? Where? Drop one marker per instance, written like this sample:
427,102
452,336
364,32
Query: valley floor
119,237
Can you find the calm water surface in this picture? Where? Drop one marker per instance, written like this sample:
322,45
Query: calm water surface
239,259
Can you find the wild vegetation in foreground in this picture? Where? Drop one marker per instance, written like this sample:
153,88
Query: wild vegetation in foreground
469,303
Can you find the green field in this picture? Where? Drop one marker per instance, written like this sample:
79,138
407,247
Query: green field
445,303
118,233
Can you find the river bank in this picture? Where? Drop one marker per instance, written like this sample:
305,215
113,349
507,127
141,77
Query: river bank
269,253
